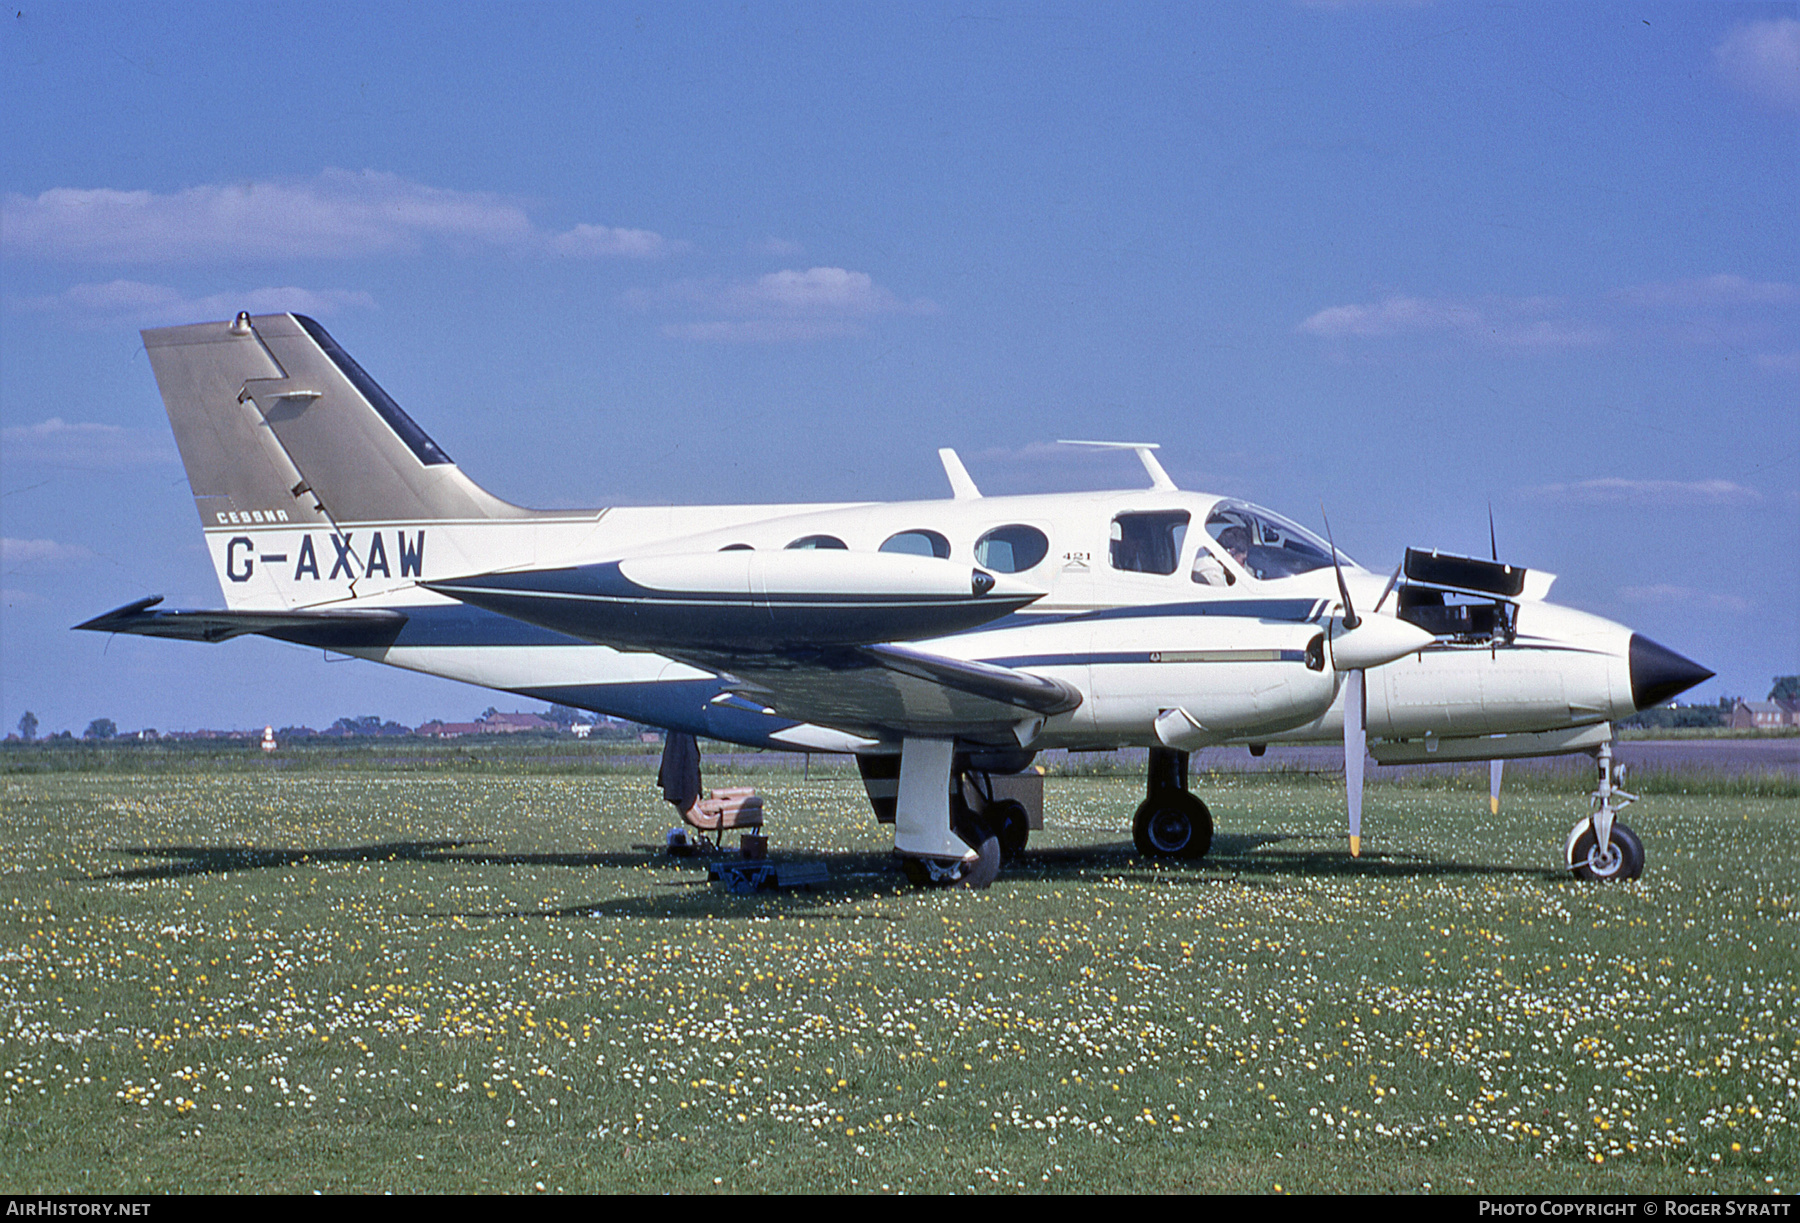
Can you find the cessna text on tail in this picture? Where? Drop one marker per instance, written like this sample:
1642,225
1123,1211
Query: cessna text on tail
941,642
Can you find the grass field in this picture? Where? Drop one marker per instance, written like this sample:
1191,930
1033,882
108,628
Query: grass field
441,981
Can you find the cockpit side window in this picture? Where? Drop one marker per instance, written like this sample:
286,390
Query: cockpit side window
1149,543
1266,545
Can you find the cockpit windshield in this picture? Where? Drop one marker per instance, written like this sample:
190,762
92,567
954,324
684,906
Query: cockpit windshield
1265,543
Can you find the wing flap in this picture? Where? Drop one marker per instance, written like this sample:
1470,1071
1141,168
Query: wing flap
884,691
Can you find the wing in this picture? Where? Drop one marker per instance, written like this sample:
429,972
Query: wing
816,636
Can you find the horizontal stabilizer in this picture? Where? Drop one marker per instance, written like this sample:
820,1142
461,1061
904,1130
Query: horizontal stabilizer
334,630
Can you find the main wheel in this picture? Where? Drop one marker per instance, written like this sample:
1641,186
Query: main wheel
1624,858
1012,825
982,872
976,874
1172,824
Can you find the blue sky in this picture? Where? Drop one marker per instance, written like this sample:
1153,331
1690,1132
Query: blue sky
1402,259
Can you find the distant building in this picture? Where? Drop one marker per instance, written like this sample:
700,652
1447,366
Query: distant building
449,730
1765,715
513,723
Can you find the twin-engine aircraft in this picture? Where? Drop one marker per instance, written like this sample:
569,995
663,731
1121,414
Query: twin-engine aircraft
942,643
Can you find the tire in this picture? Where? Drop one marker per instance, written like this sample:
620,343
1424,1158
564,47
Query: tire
1625,862
1172,825
982,872
976,875
1012,825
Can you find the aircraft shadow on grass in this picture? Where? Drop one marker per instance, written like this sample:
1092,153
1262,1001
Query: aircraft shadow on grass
1260,859
184,860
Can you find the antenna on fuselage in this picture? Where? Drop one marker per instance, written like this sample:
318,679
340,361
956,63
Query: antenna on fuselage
1158,477
961,487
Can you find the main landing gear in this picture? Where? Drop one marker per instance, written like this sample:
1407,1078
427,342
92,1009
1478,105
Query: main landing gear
949,830
1600,848
1171,822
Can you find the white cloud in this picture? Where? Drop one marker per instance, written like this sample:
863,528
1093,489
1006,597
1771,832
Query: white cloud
338,214
787,305
1394,316
41,551
1345,5
1613,490
1763,59
1544,322
135,301
1528,322
89,447
833,290
1687,596
759,331
599,241
1719,290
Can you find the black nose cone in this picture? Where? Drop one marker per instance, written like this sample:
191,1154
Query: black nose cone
1659,674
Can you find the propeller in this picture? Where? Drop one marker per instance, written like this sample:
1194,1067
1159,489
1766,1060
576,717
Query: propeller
1363,642
1496,768
1356,707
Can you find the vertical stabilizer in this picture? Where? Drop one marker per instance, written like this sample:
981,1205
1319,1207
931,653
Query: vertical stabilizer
281,430
254,400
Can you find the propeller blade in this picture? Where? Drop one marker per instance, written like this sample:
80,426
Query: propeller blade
1496,769
1356,745
1389,588
1350,618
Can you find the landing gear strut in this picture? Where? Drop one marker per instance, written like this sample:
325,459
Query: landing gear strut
1600,848
941,841
1171,822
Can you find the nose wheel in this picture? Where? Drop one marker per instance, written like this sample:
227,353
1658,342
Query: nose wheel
1623,857
1600,849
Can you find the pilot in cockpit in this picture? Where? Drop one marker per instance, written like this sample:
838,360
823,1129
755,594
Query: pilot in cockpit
1236,540
1209,571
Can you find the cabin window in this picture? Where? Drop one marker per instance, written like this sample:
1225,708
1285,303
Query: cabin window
818,542
737,548
1149,543
918,543
1011,549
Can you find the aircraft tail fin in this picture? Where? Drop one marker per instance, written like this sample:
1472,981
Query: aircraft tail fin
276,423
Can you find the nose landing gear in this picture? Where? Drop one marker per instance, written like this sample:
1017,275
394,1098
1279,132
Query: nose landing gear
1600,848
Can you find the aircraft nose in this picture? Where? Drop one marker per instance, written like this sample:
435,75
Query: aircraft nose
1659,673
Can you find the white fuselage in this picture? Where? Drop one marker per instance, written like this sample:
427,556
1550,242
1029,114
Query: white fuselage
1135,637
